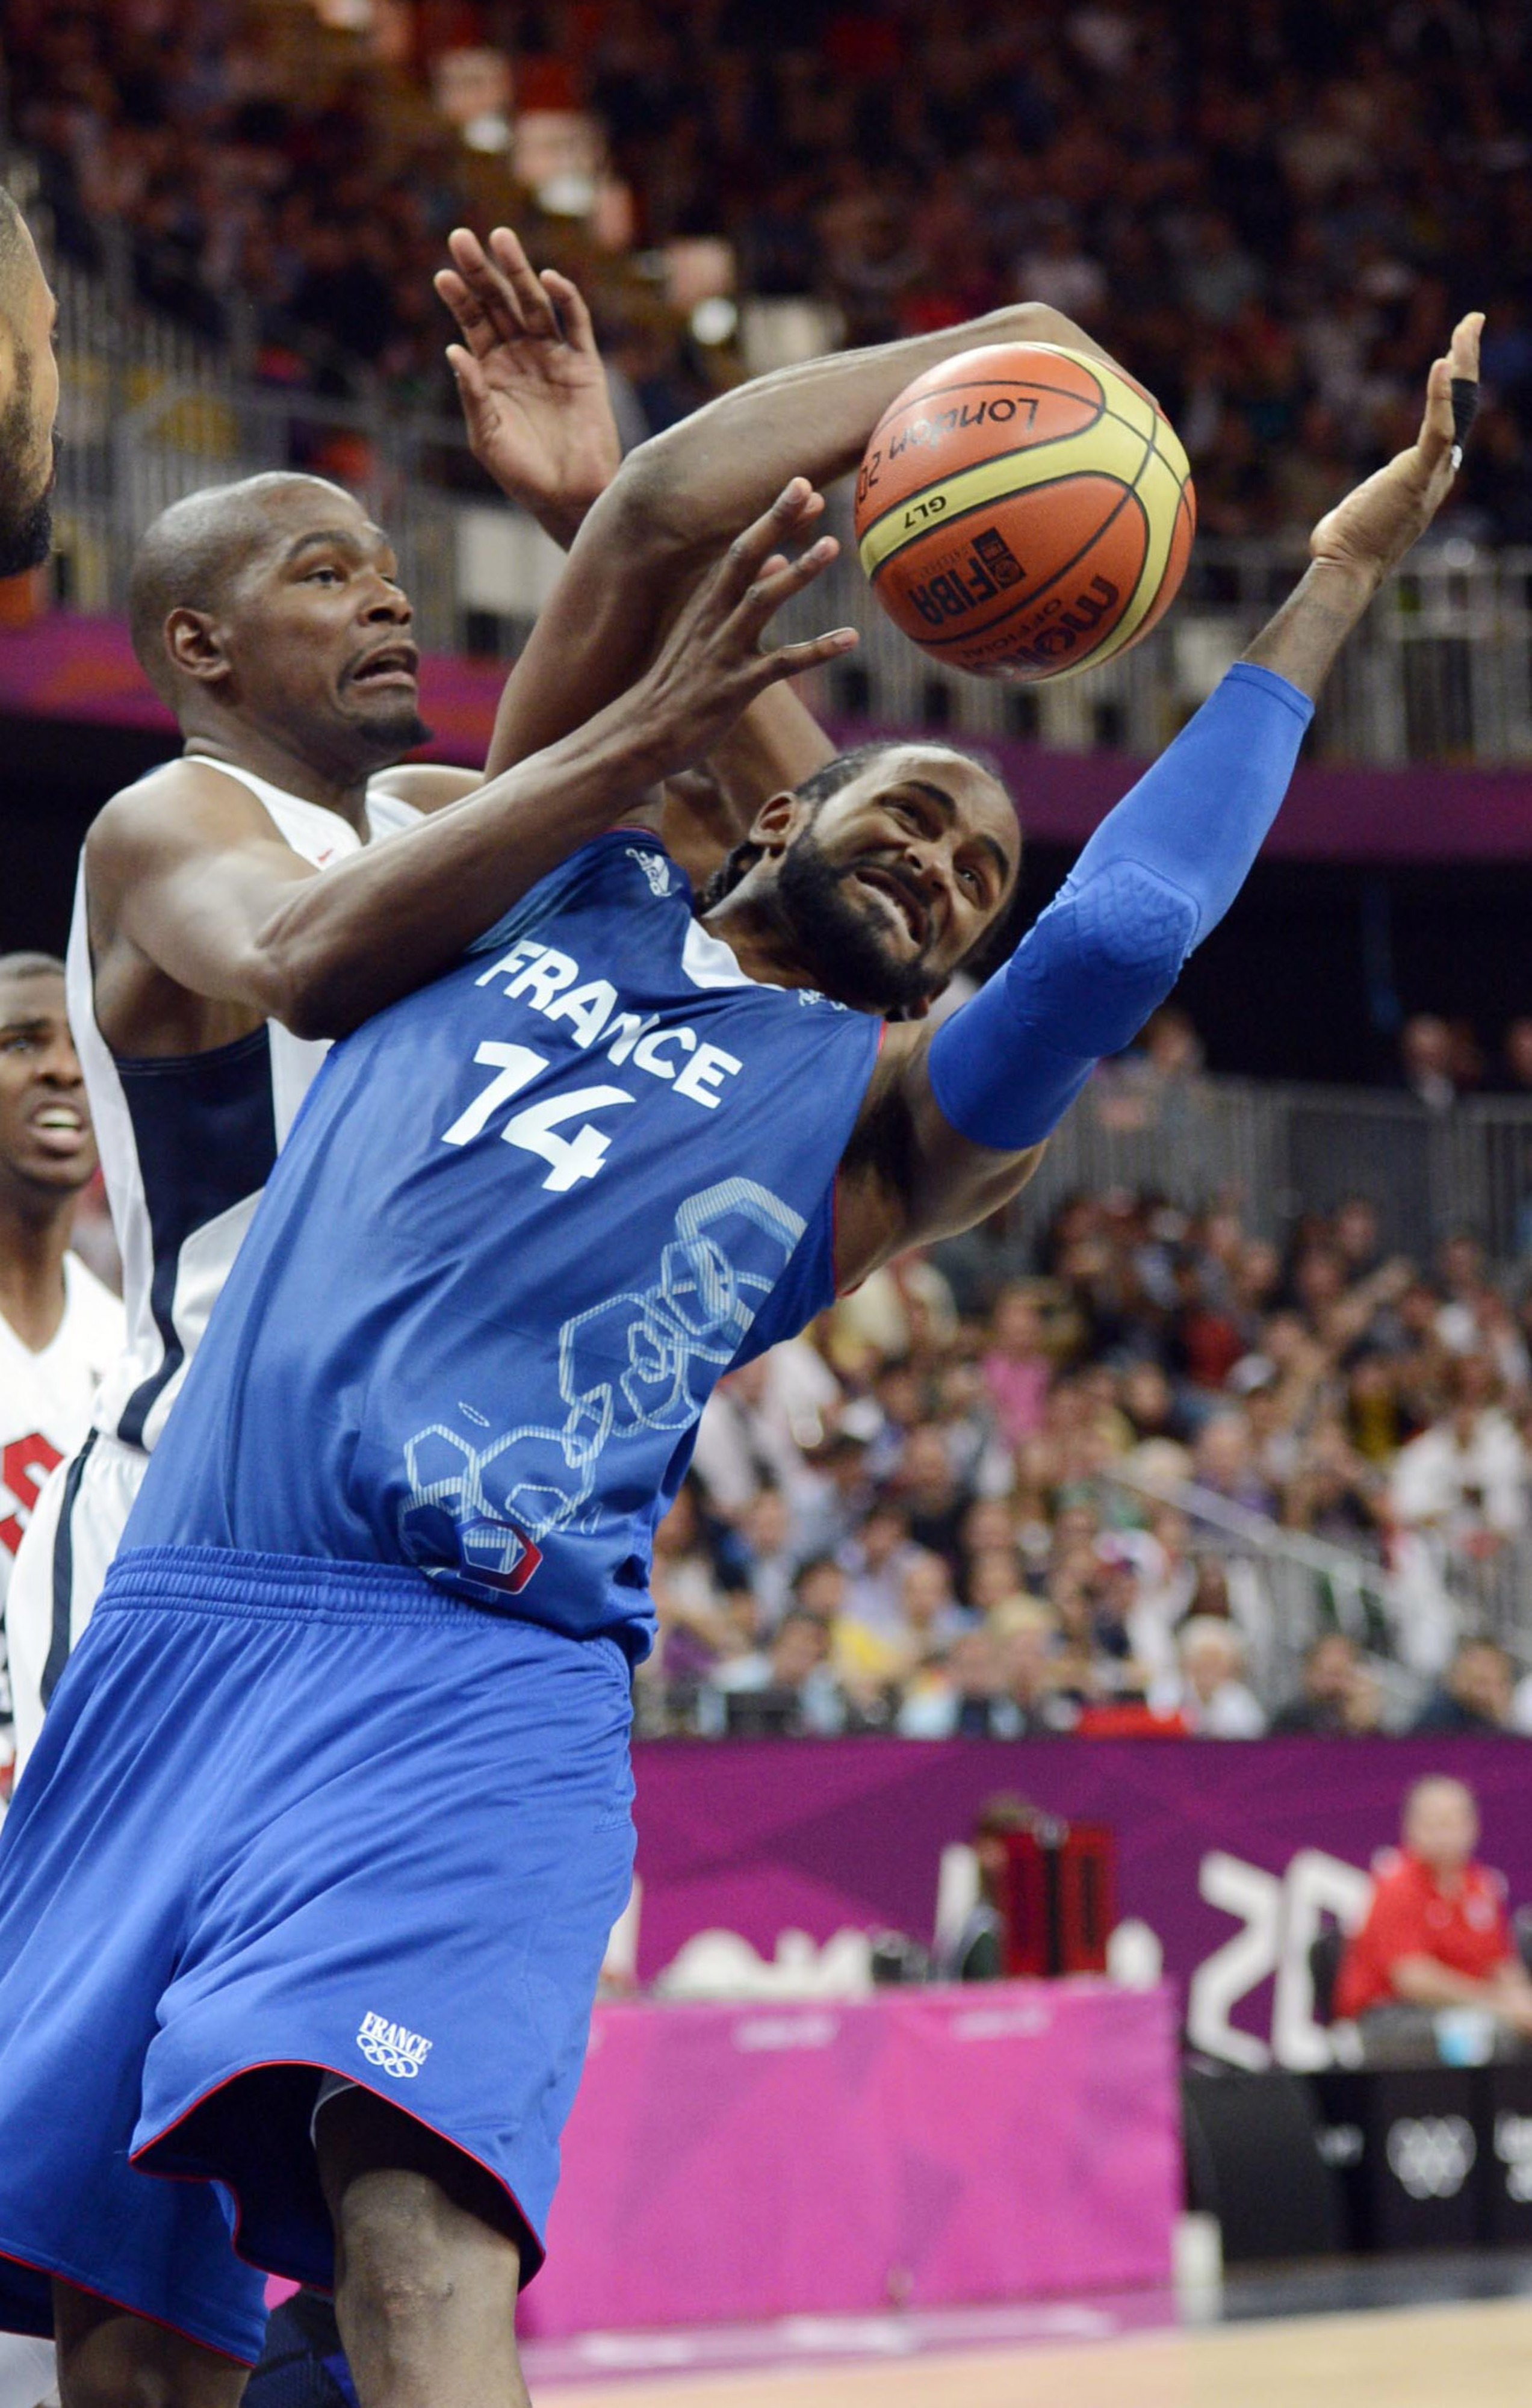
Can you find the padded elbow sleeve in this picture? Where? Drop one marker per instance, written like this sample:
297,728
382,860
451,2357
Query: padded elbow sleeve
1005,1068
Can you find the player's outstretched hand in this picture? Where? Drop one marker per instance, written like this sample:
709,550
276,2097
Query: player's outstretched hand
1374,528
530,380
709,666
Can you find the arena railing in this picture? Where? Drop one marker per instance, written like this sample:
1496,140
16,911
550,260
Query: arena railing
1286,1588
1276,1150
1441,669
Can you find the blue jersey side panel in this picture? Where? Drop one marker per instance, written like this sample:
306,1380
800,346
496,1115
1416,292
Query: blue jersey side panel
526,1219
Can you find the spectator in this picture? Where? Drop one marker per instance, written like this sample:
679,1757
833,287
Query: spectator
1466,1476
1477,1695
791,1692
931,1494
1436,1935
1211,1693
1428,1060
874,1563
964,1696
1017,1372
1340,1697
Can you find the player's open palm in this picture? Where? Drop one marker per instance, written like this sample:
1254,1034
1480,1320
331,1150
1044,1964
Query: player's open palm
1374,528
530,378
709,667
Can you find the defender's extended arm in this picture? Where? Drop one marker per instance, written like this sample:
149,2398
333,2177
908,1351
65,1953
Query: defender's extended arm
980,1096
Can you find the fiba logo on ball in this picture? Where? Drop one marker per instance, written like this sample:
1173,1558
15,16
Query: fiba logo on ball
392,2048
1432,2155
1023,512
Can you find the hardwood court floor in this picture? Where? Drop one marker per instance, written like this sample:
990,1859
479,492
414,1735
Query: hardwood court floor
1475,2355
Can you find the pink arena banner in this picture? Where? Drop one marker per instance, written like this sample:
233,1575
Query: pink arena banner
73,666
735,2164
1231,1855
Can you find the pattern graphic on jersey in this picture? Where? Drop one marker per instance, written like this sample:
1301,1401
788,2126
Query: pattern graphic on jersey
625,1367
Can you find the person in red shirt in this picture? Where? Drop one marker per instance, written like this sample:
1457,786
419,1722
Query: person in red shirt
1437,1933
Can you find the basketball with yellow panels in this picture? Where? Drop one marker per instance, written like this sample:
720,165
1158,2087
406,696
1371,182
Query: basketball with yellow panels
1025,511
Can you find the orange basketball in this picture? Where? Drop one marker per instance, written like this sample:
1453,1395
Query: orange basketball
1023,512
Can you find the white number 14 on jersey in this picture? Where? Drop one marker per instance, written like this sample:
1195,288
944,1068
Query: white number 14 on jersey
535,1128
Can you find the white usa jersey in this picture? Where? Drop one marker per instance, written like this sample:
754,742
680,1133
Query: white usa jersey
188,1141
46,1397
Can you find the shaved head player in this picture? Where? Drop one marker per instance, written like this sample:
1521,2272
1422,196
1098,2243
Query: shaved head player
269,617
307,1887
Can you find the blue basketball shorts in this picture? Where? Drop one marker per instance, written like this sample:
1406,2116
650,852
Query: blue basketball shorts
287,1818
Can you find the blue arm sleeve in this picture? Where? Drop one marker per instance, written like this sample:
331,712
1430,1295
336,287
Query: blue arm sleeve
1159,872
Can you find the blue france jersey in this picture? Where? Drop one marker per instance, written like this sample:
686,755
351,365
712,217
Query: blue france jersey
526,1219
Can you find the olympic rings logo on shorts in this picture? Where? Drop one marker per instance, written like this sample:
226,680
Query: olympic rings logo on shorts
392,2047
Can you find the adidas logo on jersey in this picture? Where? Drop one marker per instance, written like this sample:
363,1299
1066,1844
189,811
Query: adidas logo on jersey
397,2052
654,866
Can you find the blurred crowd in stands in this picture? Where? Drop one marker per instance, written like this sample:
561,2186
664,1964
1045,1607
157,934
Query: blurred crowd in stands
1128,1492
1272,214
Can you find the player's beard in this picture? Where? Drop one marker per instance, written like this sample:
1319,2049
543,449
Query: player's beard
841,936
26,529
404,732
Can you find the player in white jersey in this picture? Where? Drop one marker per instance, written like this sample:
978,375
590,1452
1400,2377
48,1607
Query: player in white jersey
60,1328
208,966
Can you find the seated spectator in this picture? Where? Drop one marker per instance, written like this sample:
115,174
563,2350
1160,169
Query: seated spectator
1222,1461
930,1492
791,1691
1029,1639
701,1622
874,1563
1435,1934
932,1617
767,1556
963,1696
1428,1061
1339,1695
1465,1477
1017,1372
1477,1695
1211,1692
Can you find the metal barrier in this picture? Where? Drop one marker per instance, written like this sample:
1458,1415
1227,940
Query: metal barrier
1286,1588
1278,1150
1441,668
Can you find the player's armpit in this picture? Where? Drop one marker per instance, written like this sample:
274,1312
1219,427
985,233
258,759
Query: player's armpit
907,1177
426,785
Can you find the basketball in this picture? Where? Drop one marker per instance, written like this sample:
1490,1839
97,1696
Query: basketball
1023,512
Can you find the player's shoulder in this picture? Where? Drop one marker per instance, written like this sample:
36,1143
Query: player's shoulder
183,802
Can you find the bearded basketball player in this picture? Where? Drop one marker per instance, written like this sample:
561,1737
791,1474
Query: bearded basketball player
305,1892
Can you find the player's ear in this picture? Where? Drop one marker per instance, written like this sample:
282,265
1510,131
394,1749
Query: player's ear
195,645
777,821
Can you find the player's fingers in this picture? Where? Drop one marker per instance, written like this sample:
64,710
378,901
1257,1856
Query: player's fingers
1464,348
1463,359
571,303
774,585
742,561
1436,433
536,312
492,289
473,390
473,321
792,660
